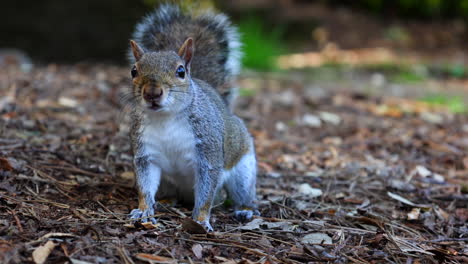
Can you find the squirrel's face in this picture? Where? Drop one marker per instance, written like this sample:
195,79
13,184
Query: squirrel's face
161,80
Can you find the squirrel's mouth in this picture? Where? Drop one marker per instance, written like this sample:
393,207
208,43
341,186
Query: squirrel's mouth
154,106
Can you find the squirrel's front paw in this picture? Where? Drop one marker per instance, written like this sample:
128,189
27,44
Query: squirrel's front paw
245,215
206,225
142,216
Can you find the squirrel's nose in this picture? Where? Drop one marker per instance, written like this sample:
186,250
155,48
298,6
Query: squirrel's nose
152,94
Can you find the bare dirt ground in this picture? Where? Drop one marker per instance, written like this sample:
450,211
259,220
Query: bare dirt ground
344,177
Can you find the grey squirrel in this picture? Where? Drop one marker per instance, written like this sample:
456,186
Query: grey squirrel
187,143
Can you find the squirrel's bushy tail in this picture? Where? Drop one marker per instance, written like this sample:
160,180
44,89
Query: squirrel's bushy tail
217,46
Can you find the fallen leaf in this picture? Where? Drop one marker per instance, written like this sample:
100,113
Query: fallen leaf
225,260
414,214
155,258
197,251
41,253
317,238
379,241
259,223
149,225
252,225
49,235
265,242
442,214
192,227
5,164
128,175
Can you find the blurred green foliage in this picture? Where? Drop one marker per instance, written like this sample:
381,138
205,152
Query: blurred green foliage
412,8
453,103
408,77
261,46
245,92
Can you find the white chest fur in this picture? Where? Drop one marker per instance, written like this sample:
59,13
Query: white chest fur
170,144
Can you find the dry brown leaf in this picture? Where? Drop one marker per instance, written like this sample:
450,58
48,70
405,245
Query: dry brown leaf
41,253
192,227
225,260
128,175
155,258
442,214
5,164
149,225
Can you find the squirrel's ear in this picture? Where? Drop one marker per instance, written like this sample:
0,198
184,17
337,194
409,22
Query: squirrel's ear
137,50
186,52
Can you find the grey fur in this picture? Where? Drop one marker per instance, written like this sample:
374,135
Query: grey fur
207,115
192,142
216,40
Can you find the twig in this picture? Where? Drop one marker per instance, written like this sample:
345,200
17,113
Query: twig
18,223
76,170
254,251
124,255
108,210
463,239
289,208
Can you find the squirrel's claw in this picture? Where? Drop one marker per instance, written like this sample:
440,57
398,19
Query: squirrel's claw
245,215
138,215
206,224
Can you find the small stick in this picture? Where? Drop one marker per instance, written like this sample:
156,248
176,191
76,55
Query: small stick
18,223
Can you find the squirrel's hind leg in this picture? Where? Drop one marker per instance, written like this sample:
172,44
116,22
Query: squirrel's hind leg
241,188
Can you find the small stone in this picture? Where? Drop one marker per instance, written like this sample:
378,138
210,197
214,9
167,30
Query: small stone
438,177
313,173
68,102
402,185
306,189
330,118
280,126
285,98
378,79
432,118
423,171
274,174
311,120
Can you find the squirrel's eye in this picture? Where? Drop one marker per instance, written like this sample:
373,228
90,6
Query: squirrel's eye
180,72
134,72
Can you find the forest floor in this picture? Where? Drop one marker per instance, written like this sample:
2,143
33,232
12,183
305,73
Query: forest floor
345,176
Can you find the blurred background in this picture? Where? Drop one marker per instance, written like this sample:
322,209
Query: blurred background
384,44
